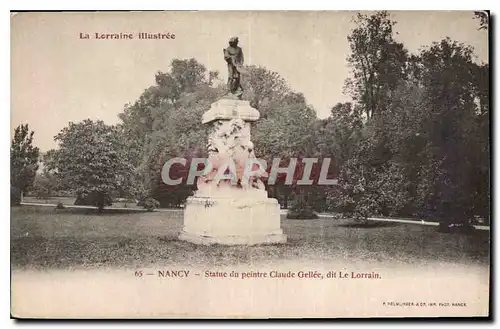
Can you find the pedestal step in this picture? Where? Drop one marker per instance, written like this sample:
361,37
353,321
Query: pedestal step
233,239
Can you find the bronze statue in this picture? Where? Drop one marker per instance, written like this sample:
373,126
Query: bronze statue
234,58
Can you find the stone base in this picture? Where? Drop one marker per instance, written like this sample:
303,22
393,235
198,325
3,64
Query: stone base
232,221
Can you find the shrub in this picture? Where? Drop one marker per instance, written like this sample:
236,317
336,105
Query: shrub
95,199
150,204
43,186
60,205
40,195
301,210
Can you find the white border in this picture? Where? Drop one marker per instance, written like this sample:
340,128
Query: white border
252,5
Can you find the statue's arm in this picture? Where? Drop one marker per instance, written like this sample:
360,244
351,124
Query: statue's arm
227,56
242,59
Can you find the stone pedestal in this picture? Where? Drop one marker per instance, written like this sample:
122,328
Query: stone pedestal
224,213
244,220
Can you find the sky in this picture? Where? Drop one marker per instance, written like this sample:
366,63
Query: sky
57,77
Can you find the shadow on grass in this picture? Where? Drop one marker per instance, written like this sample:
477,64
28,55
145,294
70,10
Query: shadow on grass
369,224
88,211
188,246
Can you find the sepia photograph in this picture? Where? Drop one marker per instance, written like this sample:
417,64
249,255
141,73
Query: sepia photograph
250,164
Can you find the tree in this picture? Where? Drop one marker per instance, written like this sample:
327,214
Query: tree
483,18
158,103
372,181
456,131
378,62
286,134
336,137
47,183
265,89
166,122
23,162
370,178
91,160
427,153
43,186
288,128
337,133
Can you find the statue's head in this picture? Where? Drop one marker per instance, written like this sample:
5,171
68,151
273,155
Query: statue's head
233,42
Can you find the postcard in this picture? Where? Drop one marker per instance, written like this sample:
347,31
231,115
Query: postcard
250,164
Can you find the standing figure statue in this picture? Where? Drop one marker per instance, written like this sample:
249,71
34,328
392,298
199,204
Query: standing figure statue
233,55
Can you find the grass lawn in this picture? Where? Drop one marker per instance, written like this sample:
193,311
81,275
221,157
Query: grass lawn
73,238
